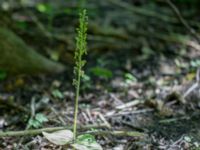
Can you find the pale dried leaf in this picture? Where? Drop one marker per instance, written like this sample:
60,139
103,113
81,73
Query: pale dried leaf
61,137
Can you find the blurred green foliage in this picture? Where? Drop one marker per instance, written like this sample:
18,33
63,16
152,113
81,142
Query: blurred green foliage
129,78
44,8
57,94
101,72
3,75
195,63
37,121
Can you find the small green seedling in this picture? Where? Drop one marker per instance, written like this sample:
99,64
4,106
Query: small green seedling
57,94
37,121
130,78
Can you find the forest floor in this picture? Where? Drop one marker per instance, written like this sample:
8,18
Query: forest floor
148,99
146,82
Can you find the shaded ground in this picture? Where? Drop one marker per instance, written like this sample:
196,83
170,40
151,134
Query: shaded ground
144,105
136,86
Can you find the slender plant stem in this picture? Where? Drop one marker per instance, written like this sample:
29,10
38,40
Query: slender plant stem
76,100
79,52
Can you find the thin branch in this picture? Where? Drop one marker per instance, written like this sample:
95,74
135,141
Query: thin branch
96,132
142,11
51,129
118,133
182,20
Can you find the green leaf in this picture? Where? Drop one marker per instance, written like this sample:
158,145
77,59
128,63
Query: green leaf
61,137
129,78
86,138
86,78
195,63
21,24
41,118
3,75
34,123
58,94
55,55
37,121
86,142
102,72
44,8
83,62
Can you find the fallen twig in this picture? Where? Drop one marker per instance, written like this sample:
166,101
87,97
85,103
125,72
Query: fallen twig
118,133
114,114
50,129
174,119
129,104
96,132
